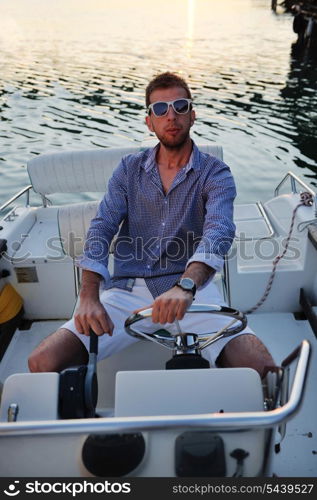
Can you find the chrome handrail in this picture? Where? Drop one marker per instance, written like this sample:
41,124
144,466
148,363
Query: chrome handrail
16,196
293,179
217,421
266,219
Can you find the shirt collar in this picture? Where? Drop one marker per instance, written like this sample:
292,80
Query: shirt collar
193,162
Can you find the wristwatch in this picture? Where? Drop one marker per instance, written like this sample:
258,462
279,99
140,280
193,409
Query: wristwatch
187,284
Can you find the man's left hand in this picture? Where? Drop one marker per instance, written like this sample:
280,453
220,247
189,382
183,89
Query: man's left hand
170,306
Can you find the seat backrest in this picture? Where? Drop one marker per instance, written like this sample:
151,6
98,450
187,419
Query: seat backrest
83,171
73,224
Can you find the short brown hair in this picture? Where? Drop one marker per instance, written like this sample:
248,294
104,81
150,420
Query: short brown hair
165,81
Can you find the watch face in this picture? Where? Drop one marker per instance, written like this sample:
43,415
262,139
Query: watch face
187,283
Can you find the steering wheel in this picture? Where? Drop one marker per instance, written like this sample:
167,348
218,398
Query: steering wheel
187,342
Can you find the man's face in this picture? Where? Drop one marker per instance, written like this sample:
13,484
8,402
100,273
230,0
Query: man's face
172,130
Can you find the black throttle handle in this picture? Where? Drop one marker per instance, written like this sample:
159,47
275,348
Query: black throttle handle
93,347
91,382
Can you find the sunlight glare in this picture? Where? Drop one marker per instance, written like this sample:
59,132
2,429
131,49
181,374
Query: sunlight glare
190,27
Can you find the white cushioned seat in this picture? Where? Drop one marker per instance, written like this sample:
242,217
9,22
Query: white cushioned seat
73,223
83,171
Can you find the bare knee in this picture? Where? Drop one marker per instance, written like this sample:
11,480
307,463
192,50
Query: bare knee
42,359
246,351
34,364
60,350
38,362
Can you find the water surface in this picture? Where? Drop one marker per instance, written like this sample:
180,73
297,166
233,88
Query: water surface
73,75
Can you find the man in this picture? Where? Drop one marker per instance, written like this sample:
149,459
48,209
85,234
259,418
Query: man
175,207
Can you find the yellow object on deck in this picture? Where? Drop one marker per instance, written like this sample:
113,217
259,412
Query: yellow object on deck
10,303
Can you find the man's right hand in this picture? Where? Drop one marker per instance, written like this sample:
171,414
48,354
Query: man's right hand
92,314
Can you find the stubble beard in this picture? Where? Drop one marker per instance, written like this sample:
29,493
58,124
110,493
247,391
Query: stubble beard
175,144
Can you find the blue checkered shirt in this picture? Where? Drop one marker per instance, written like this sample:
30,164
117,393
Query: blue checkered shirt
160,234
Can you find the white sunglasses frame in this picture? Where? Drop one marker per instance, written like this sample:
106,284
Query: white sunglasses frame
170,103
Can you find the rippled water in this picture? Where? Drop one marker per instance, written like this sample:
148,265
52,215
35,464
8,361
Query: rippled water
73,75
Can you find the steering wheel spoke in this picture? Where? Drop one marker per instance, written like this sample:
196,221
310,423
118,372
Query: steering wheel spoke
237,321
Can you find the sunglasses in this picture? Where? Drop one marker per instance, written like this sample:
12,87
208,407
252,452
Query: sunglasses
180,106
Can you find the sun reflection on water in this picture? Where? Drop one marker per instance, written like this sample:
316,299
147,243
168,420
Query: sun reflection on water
190,27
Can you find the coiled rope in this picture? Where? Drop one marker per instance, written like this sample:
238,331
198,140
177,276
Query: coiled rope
306,199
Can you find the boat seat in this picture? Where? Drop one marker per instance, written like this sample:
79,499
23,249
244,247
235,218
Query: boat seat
73,224
83,171
75,171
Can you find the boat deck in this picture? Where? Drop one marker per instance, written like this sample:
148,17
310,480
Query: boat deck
281,332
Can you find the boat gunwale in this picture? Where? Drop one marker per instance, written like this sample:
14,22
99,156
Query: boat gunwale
226,422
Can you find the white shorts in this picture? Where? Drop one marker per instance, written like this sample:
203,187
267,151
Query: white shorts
121,303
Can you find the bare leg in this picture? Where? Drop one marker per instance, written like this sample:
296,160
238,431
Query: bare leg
246,351
60,350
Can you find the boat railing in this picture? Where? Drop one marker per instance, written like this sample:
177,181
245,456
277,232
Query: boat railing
294,180
224,422
25,190
18,195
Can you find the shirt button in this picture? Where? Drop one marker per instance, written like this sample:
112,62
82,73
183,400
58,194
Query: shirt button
163,223
148,266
